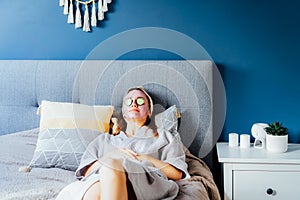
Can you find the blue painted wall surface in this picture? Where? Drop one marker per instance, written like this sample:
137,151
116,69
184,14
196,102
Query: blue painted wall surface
255,43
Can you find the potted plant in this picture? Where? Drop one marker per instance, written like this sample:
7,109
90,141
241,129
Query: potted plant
276,137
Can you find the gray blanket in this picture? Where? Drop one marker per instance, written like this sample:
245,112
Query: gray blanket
16,150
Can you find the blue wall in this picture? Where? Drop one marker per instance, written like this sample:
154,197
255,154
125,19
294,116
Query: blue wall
255,43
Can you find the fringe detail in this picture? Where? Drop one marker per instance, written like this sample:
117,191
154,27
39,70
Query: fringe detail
66,7
61,2
25,169
104,7
94,17
78,22
86,21
71,13
100,10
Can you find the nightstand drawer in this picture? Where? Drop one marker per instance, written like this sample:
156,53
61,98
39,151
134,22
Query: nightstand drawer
266,185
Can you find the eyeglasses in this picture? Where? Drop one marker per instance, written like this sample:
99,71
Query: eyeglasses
139,101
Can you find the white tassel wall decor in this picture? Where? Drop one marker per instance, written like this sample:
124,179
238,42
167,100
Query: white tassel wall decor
66,7
71,13
78,23
97,12
61,2
104,6
94,17
86,20
100,10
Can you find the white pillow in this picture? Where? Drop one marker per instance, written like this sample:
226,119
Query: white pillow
72,115
65,131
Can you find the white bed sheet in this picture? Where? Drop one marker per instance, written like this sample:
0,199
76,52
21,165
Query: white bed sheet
17,151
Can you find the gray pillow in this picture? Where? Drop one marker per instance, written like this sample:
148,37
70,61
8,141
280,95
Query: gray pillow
61,148
168,119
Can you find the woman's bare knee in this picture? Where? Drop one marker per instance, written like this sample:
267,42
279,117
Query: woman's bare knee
93,192
111,165
113,180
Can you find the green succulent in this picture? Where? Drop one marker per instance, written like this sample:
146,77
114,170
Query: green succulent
276,128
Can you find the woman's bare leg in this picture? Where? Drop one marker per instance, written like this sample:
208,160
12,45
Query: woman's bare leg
113,181
93,192
112,184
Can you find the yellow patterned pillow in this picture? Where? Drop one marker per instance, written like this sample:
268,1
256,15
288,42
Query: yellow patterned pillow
61,115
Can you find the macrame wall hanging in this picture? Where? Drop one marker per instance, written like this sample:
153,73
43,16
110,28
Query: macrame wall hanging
98,8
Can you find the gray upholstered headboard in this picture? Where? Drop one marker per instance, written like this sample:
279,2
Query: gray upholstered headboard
188,84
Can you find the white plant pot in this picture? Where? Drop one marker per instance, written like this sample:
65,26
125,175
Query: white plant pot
277,144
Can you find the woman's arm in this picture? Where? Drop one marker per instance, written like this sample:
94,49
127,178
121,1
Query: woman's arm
114,154
169,170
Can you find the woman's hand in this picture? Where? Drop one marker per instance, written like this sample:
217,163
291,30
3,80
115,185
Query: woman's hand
169,170
120,153
129,153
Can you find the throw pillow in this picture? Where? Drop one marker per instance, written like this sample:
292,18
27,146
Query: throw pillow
71,115
65,131
168,119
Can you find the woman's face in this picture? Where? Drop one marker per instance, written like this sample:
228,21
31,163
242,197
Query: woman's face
136,106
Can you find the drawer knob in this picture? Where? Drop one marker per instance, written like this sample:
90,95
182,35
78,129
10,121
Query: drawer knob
270,191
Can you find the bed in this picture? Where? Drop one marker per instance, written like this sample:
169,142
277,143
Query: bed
25,84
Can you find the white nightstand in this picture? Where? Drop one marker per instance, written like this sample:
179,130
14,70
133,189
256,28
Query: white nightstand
257,174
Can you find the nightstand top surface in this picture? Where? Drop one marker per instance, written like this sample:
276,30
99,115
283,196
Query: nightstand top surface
228,154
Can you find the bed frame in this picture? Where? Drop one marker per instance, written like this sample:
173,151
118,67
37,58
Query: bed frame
188,84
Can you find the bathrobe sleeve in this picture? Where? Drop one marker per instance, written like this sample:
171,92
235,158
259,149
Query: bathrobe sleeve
173,152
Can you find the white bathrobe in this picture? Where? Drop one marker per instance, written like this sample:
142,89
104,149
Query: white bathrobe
148,182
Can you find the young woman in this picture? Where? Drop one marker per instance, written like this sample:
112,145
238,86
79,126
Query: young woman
136,164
